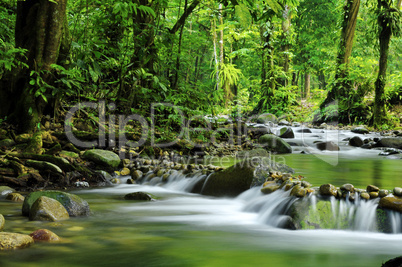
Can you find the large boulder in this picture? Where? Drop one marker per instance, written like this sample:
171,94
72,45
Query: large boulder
47,209
267,118
356,141
391,202
320,216
241,176
275,144
393,142
74,205
104,158
14,241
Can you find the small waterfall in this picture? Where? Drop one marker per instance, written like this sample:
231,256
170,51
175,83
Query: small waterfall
396,219
271,208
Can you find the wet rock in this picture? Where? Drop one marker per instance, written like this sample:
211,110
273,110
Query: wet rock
103,158
330,146
275,144
373,195
74,205
383,193
140,196
284,123
44,235
15,197
298,191
44,166
269,187
286,132
131,181
348,188
356,141
392,142
365,195
391,202
125,172
10,241
360,130
396,262
2,222
389,151
231,181
267,118
5,190
372,188
47,209
304,130
397,191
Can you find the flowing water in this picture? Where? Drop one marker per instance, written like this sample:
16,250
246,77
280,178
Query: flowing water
183,229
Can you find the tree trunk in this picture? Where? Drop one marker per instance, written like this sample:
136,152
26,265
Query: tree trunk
267,69
342,86
307,84
40,28
380,113
285,47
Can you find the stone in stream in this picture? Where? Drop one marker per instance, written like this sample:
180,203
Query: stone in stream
365,195
15,197
269,187
395,262
240,177
391,202
383,193
10,241
275,144
47,209
348,188
330,146
140,196
360,130
2,222
392,142
397,191
267,118
44,235
328,190
286,132
103,158
372,188
304,130
5,190
284,123
74,205
356,141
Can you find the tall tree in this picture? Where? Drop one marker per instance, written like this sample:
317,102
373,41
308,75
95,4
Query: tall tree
41,29
389,20
342,85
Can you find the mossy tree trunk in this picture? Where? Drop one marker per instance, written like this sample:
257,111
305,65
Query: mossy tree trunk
41,28
385,33
342,84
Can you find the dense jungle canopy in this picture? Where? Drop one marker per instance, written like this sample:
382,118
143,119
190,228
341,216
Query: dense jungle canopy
311,60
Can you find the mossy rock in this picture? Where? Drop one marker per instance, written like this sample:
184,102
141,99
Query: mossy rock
47,209
103,158
391,202
267,118
393,142
44,166
139,196
230,182
275,144
35,144
68,154
7,143
286,132
9,241
74,205
383,220
306,216
258,152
